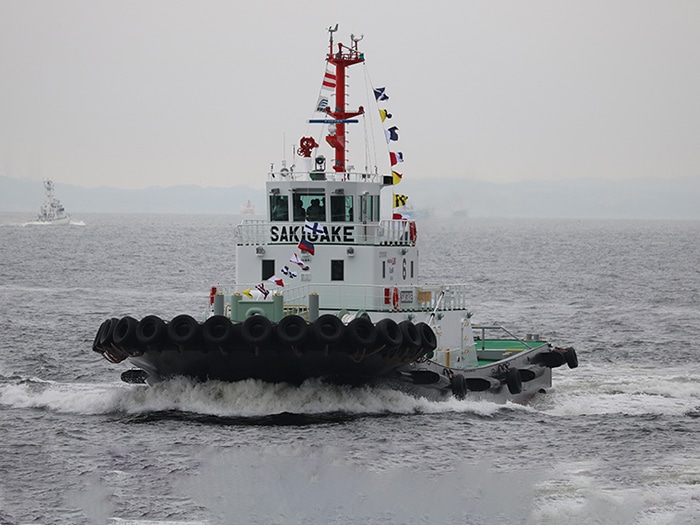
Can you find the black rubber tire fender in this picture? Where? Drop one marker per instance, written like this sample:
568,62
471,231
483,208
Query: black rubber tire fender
411,337
218,331
361,333
458,385
551,359
292,330
389,333
513,381
427,335
96,346
256,330
150,330
184,330
106,334
328,329
124,333
571,357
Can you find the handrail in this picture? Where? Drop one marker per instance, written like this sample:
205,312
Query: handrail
483,329
429,299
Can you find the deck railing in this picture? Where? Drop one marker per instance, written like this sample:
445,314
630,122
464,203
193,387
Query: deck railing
354,297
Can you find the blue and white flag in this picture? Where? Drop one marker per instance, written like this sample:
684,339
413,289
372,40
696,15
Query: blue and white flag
392,133
379,94
314,227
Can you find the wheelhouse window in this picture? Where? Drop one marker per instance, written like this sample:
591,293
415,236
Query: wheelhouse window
337,270
279,208
309,205
370,208
341,208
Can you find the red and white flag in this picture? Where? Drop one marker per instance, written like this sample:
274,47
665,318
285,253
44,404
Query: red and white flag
329,80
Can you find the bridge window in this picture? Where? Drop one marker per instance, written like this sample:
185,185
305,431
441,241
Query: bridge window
279,208
341,208
309,205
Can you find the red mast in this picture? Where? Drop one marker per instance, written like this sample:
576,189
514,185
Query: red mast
342,59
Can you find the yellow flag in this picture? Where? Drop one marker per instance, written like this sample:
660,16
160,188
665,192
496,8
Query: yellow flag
396,177
384,114
247,293
399,200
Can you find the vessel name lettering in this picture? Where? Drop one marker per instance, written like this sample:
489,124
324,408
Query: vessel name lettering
296,233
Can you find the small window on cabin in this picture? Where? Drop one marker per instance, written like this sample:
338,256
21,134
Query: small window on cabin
279,208
268,269
337,270
374,210
341,208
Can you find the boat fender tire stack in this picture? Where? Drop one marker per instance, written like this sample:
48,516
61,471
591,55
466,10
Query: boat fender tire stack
361,333
124,335
458,384
256,330
292,330
150,331
218,331
184,330
328,330
389,334
513,381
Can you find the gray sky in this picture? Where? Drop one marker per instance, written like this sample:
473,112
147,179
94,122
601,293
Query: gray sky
138,93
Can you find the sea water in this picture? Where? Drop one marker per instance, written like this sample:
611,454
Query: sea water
615,441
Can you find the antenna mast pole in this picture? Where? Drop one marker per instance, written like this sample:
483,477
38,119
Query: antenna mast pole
341,60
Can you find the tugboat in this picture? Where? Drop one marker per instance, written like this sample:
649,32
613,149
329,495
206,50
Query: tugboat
327,287
52,211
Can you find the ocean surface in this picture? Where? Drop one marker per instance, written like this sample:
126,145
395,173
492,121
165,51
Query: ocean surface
615,441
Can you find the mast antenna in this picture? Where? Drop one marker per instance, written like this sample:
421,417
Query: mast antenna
332,30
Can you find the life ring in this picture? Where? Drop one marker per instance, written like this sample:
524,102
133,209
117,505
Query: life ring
183,330
292,330
412,232
395,298
328,329
218,330
150,330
